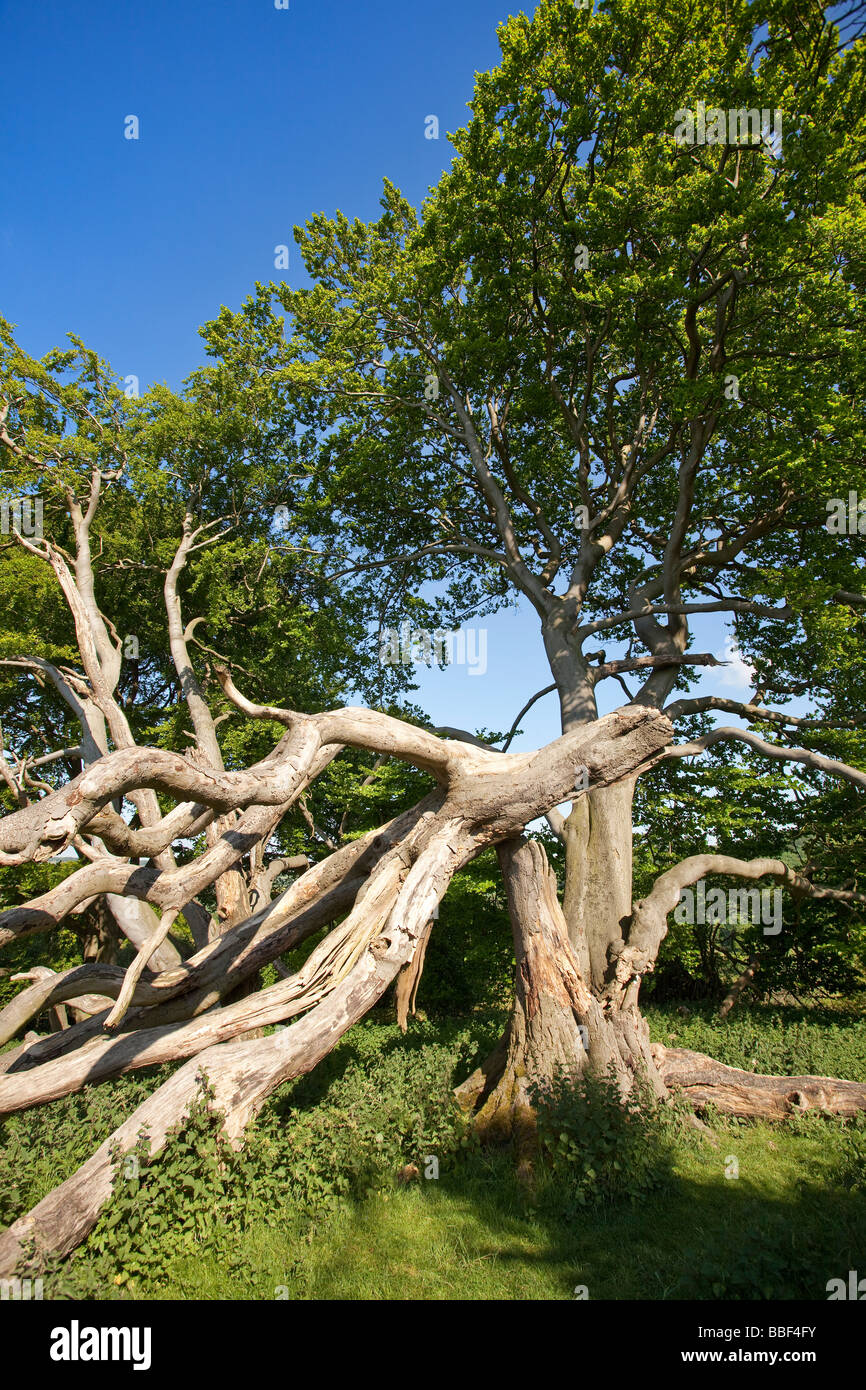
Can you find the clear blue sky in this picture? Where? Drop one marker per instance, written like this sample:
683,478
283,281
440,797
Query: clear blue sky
250,120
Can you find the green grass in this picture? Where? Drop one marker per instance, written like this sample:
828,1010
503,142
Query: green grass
825,1040
313,1208
780,1230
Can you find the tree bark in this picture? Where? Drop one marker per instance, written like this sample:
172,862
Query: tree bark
597,901
101,937
743,1093
394,879
740,985
559,1023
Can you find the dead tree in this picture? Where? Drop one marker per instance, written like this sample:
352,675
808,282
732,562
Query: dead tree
380,891
576,995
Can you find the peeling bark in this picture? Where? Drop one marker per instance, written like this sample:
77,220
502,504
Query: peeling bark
558,1022
390,883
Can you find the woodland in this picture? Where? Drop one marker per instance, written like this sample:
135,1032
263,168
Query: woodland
610,375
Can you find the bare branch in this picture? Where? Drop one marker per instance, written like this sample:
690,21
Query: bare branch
755,713
768,750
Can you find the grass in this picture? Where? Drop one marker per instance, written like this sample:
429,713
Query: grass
781,1229
475,1236
823,1040
318,1212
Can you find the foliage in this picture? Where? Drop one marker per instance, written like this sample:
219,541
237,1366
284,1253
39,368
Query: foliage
721,804
775,1040
598,1148
849,1168
792,1221
772,1263
378,1103
469,965
701,262
41,1146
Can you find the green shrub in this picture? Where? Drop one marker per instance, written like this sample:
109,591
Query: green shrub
597,1147
777,1261
40,1148
848,1168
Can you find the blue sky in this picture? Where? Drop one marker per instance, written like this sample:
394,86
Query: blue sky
251,119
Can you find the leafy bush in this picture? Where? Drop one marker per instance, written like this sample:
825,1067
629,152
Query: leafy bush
202,1220
777,1261
40,1148
848,1168
470,959
764,1270
597,1147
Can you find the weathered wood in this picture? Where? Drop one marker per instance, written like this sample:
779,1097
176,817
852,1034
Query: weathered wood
752,1096
320,895
487,797
558,1022
243,1074
597,897
406,990
740,985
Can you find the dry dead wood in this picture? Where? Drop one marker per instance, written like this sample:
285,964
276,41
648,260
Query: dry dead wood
750,1095
386,886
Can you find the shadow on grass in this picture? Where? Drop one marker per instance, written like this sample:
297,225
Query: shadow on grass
785,1225
793,1218
477,1234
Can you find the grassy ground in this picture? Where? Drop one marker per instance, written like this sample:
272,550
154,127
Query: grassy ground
780,1230
314,1209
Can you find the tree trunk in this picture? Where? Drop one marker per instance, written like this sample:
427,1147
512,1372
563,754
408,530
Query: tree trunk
704,1081
740,985
231,888
233,906
100,937
559,1022
597,900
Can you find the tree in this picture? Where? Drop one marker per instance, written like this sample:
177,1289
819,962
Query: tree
615,369
464,384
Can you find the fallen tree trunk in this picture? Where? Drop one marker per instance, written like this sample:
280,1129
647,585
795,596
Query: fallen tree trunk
486,798
751,1096
319,896
390,882
145,1047
243,1074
